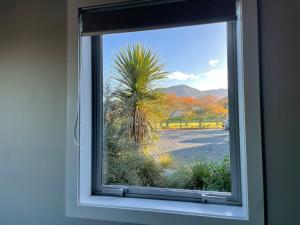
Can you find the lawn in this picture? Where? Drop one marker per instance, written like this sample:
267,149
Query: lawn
192,125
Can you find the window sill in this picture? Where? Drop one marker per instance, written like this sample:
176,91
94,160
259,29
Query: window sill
134,209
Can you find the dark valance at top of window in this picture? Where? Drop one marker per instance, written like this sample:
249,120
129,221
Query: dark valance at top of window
150,14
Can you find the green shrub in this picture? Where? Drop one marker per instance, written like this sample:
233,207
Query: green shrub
118,170
180,178
220,176
125,165
149,172
189,177
199,174
125,160
202,176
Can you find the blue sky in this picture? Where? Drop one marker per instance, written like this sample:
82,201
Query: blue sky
193,55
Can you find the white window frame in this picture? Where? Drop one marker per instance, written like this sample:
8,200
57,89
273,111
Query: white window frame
79,200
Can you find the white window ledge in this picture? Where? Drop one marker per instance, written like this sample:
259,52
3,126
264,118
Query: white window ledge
157,212
163,206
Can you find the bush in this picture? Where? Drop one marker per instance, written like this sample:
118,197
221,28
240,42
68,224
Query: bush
165,160
202,176
193,177
149,172
126,165
220,176
180,178
126,162
199,174
133,168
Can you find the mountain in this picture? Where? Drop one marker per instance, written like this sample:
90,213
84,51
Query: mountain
187,91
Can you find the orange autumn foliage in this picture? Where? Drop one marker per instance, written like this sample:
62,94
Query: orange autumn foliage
190,107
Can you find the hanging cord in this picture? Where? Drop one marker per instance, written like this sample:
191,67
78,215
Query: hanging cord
76,138
81,98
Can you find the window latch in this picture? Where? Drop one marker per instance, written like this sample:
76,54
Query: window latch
206,197
113,191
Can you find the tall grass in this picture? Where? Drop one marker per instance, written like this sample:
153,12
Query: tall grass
213,176
165,160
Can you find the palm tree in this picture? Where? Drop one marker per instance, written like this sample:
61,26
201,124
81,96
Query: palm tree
138,70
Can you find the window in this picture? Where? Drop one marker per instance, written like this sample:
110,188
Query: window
90,190
159,128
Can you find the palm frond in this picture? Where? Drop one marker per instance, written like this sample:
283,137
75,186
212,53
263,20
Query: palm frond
138,70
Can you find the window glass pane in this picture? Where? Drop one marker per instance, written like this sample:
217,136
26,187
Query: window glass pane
165,98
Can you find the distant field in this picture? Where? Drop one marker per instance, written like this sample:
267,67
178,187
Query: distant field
192,125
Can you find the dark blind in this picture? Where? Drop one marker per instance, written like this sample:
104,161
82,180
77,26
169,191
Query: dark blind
137,15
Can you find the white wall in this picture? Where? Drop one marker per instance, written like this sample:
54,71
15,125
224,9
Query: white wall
33,111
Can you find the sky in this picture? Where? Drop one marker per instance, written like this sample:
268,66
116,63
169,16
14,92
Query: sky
193,55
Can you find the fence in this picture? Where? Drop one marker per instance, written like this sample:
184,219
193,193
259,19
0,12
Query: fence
188,124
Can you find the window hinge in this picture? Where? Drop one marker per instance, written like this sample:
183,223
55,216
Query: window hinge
113,191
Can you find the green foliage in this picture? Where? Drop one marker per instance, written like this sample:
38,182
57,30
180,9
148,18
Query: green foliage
202,176
133,168
137,72
149,172
220,178
199,175
125,161
125,164
180,178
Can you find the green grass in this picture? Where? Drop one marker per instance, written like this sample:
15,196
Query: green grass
192,125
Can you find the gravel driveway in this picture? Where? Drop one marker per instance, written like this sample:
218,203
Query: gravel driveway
187,145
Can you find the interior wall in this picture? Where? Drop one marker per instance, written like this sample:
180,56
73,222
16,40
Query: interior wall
280,51
33,111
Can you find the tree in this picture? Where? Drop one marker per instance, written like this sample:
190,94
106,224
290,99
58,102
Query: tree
137,72
171,105
203,105
217,111
189,105
219,108
223,102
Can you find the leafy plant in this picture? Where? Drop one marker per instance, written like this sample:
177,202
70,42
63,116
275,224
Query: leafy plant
180,178
189,177
137,71
199,174
202,176
220,176
149,172
125,165
132,168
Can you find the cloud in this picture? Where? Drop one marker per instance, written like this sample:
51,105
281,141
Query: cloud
216,73
182,76
211,79
213,62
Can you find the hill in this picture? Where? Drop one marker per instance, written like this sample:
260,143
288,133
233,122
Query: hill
187,91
